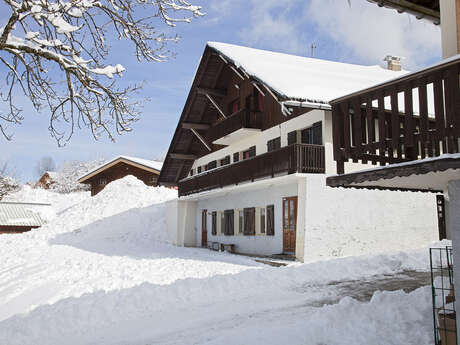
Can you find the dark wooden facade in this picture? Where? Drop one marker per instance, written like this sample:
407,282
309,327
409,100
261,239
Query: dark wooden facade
118,171
222,99
368,129
8,229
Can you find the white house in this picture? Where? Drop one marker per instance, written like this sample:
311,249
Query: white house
251,154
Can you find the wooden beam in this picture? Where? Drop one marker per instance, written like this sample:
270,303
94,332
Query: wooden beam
183,156
190,125
216,106
179,171
236,72
198,135
213,92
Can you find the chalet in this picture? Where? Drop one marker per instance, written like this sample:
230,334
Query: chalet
119,167
410,127
17,217
47,179
251,153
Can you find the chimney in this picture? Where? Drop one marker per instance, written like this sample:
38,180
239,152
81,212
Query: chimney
394,62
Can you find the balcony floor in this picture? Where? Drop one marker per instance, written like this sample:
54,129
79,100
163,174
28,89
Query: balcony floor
231,138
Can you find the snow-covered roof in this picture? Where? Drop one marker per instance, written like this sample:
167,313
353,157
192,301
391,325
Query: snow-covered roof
52,174
301,78
149,164
19,214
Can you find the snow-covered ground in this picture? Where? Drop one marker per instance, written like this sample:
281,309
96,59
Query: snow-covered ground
101,272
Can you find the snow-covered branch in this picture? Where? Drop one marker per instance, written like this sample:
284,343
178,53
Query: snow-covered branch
55,53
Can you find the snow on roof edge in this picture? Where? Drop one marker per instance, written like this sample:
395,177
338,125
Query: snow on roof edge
141,161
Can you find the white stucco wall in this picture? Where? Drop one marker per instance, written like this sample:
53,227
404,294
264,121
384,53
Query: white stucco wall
453,225
180,222
268,194
343,222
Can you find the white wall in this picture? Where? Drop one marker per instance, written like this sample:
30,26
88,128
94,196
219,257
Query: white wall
453,225
180,222
270,194
343,222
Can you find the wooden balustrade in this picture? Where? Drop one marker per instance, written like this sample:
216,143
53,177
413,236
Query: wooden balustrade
296,158
412,117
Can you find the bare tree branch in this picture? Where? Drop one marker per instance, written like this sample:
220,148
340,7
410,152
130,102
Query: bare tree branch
55,52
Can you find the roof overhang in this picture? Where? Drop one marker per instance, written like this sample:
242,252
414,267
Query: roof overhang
85,178
421,9
426,175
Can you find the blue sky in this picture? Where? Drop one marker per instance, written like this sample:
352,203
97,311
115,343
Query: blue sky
362,34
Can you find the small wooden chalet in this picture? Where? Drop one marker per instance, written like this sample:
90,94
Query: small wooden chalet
251,152
47,179
17,217
119,167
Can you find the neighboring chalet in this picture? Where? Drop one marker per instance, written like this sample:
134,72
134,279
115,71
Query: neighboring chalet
119,167
251,153
417,145
47,179
17,217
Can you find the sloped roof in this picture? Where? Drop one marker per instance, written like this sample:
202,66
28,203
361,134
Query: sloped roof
152,166
52,174
19,214
421,9
301,78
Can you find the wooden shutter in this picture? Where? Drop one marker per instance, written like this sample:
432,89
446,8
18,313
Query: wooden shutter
246,221
214,223
270,220
250,221
292,137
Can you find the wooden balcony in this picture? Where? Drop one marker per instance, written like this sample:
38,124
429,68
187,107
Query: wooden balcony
296,158
243,121
409,118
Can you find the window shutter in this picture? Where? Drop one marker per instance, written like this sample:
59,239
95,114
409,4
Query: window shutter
292,137
249,221
231,223
214,223
271,220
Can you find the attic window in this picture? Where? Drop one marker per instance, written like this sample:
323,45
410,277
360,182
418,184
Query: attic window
102,181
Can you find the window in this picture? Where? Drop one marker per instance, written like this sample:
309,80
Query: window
191,172
251,152
236,157
234,106
240,221
229,218
270,220
262,220
211,165
274,144
313,135
225,161
249,221
222,223
198,170
102,181
258,100
292,137
214,223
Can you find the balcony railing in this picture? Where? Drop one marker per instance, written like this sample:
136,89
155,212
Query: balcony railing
409,118
296,158
240,119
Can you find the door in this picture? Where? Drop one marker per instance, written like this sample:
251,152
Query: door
204,229
289,224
